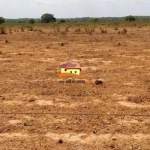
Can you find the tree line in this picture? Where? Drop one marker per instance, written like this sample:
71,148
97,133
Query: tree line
46,18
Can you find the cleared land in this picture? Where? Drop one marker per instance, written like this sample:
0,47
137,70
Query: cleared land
29,69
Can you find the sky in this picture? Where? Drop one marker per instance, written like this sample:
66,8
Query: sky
73,8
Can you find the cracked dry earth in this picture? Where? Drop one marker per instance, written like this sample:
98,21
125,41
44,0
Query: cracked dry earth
29,68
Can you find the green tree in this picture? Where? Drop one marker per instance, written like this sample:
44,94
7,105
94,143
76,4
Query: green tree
2,20
31,21
94,20
46,18
62,21
129,18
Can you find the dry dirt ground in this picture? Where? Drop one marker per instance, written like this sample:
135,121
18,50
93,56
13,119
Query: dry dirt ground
78,116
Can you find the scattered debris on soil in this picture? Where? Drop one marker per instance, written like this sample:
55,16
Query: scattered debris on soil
62,44
60,141
46,114
6,41
98,82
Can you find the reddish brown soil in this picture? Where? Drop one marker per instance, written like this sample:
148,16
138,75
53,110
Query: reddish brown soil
29,69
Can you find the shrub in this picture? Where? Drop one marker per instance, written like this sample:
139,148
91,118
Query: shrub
40,30
87,30
30,27
62,21
22,29
2,30
116,28
116,23
92,29
139,98
63,33
94,20
58,30
67,28
78,30
10,30
31,21
124,31
103,30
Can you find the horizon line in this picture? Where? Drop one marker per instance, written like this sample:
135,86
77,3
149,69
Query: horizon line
80,17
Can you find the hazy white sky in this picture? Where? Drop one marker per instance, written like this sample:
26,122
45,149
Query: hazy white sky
73,8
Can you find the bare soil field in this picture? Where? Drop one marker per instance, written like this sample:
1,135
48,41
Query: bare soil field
39,113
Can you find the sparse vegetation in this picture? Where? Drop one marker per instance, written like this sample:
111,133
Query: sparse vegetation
40,30
31,21
116,28
22,29
62,21
67,28
142,98
124,31
78,30
116,65
63,33
10,30
2,20
95,20
58,29
103,30
2,30
30,28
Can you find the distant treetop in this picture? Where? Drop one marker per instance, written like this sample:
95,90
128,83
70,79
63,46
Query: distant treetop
94,20
46,18
129,18
2,20
32,21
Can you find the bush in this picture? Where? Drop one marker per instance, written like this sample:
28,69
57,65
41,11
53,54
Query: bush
63,33
10,30
77,30
94,20
124,31
62,21
58,29
22,29
40,30
2,30
31,21
30,27
103,30
92,29
87,30
67,28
